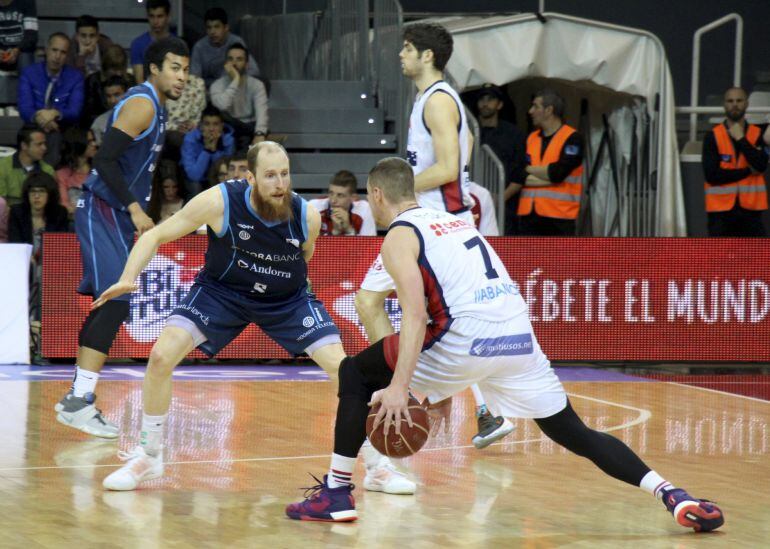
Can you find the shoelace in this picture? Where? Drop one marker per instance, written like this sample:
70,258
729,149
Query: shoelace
312,492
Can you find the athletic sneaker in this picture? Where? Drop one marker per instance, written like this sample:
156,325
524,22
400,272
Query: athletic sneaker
384,477
80,413
491,429
139,467
326,504
701,515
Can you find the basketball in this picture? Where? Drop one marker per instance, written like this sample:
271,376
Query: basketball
409,441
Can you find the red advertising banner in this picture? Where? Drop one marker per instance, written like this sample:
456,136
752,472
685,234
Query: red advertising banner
592,299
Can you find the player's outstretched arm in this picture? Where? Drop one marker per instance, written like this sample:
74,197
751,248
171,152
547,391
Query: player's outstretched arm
313,219
207,208
400,251
442,119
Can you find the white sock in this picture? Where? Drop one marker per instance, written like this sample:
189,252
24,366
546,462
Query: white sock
654,484
341,471
481,405
84,381
371,456
152,433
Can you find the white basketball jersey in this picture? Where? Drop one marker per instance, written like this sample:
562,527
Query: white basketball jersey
462,274
453,196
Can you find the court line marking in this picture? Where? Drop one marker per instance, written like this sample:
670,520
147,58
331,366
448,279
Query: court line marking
724,393
643,416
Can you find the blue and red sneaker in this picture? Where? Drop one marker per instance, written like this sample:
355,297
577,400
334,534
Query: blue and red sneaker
700,514
325,504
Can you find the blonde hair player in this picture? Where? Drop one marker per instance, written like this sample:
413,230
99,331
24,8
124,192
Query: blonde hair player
479,333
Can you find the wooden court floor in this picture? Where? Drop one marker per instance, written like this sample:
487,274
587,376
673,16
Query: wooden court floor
238,452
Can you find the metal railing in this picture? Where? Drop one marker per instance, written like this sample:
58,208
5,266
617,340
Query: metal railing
695,86
393,91
340,47
487,170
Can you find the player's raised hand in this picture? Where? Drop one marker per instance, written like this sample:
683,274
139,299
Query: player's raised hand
116,290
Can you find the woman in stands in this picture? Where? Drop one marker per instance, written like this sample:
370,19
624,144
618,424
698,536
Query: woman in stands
79,150
167,195
39,210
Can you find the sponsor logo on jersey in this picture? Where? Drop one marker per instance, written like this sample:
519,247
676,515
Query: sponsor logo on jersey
260,287
449,227
519,344
308,321
81,203
254,268
273,258
293,241
489,293
244,235
244,226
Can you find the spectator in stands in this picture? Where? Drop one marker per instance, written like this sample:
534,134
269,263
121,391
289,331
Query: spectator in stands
202,147
159,19
183,115
167,195
551,191
209,53
509,144
114,88
241,98
734,162
341,213
88,46
3,220
28,159
79,150
39,210
114,63
219,170
51,94
18,33
238,165
483,210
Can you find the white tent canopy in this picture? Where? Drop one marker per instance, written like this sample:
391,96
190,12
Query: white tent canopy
589,54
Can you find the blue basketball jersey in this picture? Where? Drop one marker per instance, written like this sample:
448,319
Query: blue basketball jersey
251,256
137,163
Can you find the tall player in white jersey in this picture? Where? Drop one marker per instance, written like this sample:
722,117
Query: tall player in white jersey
479,332
438,149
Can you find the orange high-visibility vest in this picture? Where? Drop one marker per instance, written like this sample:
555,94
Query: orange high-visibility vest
560,200
750,191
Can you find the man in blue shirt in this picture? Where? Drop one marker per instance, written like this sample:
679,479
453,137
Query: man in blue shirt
51,93
159,19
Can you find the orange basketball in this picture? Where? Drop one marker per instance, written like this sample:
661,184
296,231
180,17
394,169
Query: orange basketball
409,441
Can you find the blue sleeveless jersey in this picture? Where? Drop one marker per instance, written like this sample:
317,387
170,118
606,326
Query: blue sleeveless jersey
137,163
256,258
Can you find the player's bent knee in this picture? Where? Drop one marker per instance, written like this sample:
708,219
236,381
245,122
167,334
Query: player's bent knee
102,326
352,380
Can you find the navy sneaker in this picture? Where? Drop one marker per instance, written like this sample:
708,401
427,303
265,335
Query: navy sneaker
701,515
325,504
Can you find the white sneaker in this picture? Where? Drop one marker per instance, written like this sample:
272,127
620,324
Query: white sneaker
80,413
139,467
491,429
384,477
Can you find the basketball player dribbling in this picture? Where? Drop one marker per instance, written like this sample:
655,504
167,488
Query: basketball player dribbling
109,212
261,236
479,332
438,149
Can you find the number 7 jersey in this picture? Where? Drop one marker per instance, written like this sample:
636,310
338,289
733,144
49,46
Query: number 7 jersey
462,275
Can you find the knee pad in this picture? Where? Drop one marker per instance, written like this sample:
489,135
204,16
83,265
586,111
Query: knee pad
102,325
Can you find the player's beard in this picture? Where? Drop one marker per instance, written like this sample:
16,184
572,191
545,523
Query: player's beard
269,211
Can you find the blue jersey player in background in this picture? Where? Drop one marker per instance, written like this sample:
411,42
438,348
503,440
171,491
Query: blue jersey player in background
260,237
109,213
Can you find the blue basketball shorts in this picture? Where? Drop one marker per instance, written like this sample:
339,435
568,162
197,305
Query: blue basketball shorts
106,237
221,314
